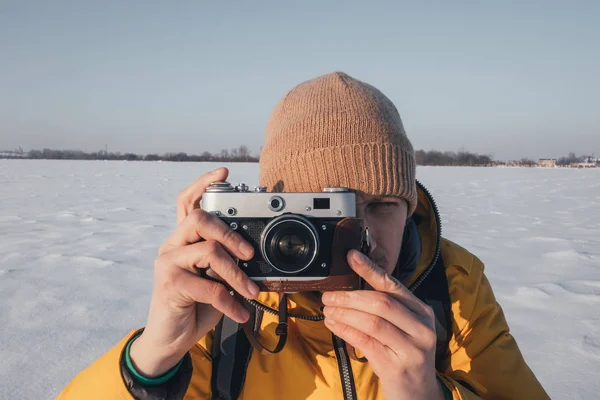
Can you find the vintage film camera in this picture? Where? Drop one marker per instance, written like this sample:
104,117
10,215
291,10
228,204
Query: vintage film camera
300,240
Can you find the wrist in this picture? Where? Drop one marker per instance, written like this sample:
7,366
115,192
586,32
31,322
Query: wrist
148,360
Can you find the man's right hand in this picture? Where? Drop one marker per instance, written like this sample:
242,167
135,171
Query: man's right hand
184,306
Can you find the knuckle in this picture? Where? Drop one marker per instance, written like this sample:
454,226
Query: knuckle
230,236
383,304
336,313
363,340
342,329
184,199
182,196
429,338
418,359
238,276
375,325
164,248
428,311
216,292
390,283
199,216
231,305
213,247
223,297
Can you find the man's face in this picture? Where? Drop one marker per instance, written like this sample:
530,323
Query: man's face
385,216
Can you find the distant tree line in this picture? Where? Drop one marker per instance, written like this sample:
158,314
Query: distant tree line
526,162
570,159
461,158
449,158
240,154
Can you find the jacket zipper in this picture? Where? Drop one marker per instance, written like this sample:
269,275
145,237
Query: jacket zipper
438,243
345,369
340,346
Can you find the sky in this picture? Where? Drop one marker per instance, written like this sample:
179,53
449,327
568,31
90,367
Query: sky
512,79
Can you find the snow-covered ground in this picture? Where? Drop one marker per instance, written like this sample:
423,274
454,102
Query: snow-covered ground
78,241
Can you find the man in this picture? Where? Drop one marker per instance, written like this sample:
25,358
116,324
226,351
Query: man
428,324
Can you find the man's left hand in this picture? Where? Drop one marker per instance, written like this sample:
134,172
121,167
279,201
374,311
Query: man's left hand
391,327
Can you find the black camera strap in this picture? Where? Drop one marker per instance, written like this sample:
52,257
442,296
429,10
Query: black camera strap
232,349
231,353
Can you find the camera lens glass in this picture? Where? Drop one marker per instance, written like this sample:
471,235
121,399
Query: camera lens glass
290,245
275,203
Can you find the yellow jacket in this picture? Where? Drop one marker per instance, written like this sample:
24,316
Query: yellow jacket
483,354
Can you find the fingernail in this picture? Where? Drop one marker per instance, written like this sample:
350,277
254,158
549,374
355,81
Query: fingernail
330,321
360,258
215,171
245,316
246,249
253,288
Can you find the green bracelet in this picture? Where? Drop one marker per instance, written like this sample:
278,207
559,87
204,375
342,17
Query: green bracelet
141,378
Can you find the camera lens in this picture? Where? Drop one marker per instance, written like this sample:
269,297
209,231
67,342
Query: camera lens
289,244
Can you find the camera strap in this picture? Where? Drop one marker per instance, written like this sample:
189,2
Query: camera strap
281,330
232,349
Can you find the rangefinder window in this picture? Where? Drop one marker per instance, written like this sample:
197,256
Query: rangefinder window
321,203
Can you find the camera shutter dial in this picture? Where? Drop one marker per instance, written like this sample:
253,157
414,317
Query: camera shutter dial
220,186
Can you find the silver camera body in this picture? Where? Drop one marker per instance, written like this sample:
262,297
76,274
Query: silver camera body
292,233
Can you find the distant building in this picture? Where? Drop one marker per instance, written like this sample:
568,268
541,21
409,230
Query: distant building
547,162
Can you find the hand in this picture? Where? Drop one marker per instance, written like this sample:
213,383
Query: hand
392,328
184,306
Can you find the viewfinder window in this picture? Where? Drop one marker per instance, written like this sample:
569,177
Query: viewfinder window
321,203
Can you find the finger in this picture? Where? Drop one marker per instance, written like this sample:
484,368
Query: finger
212,274
381,281
385,306
211,254
208,292
189,198
370,347
200,225
377,328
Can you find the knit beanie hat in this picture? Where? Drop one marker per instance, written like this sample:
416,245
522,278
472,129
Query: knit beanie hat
335,130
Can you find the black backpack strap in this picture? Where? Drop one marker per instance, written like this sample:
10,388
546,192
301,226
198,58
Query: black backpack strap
433,291
231,352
